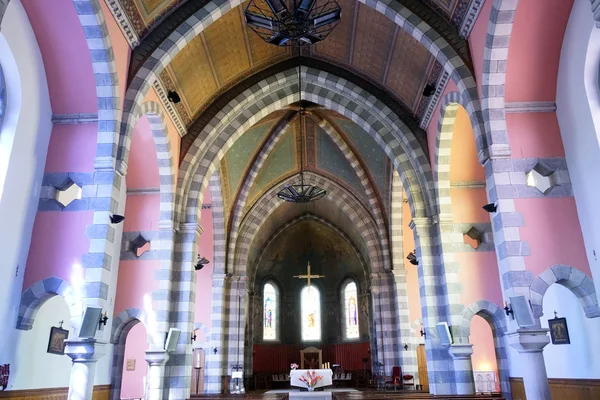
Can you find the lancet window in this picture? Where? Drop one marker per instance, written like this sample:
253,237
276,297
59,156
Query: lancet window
310,300
350,302
270,309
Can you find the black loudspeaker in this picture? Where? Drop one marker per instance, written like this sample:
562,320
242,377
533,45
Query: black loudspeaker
91,319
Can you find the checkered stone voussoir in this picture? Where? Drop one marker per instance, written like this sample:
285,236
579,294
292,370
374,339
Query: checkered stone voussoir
41,291
321,88
347,203
573,279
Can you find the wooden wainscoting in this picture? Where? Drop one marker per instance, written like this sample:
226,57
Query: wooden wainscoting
562,389
101,392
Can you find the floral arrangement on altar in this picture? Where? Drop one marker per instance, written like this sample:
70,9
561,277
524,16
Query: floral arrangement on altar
310,380
293,366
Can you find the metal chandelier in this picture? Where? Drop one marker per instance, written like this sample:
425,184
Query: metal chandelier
302,193
306,23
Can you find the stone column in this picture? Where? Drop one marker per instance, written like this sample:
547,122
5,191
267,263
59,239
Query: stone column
155,382
463,368
84,353
530,344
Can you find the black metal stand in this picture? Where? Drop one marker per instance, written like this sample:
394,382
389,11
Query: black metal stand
197,378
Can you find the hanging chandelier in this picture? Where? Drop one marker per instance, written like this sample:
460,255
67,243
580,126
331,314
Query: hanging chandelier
302,193
306,22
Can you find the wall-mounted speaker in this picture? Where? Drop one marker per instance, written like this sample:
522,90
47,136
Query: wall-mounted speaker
91,320
443,332
172,339
522,309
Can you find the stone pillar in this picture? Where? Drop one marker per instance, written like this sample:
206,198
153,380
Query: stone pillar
84,353
530,344
155,382
463,368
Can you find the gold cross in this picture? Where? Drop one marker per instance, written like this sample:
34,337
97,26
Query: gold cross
308,276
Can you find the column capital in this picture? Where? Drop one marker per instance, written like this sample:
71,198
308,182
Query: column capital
423,222
167,225
157,357
87,350
190,227
528,340
460,351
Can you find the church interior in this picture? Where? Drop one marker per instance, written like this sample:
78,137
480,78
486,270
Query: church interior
299,199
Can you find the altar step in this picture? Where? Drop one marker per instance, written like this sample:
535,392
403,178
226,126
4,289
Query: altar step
370,395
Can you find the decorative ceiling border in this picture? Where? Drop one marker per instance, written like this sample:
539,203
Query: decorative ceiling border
120,15
442,82
161,92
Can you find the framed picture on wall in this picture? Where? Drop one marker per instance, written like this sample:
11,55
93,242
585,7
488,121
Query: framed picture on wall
56,344
559,332
131,364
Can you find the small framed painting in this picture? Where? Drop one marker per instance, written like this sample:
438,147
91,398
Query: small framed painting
56,344
559,332
131,364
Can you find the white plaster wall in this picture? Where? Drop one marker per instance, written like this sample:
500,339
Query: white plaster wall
24,142
578,112
580,358
34,367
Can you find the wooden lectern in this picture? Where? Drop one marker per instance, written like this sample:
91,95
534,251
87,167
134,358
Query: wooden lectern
311,358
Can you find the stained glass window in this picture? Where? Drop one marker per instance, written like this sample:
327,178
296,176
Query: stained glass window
270,304
350,295
310,300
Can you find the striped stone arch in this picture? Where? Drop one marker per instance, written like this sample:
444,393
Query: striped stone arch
495,57
494,315
321,220
443,144
121,326
41,291
166,168
206,330
573,279
219,226
332,131
194,25
267,147
327,90
348,204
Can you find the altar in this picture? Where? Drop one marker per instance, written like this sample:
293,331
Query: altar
325,374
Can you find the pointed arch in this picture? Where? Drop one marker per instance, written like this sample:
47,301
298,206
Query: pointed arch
37,294
495,317
349,301
271,302
573,279
121,326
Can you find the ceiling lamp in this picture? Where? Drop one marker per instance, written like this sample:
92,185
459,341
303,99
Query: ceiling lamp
302,193
306,22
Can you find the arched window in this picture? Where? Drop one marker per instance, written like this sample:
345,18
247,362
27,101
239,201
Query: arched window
350,297
310,300
270,308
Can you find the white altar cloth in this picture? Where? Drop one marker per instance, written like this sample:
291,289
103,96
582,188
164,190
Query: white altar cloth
326,374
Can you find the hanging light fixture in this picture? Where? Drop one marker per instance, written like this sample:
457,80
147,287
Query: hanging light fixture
302,193
308,22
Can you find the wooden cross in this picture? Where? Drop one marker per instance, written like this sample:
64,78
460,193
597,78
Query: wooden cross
308,276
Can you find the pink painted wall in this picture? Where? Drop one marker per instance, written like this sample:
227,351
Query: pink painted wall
136,279
46,258
554,237
203,277
466,205
143,161
66,56
534,135
132,384
464,164
412,275
477,41
121,48
484,354
479,276
72,148
534,49
142,213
